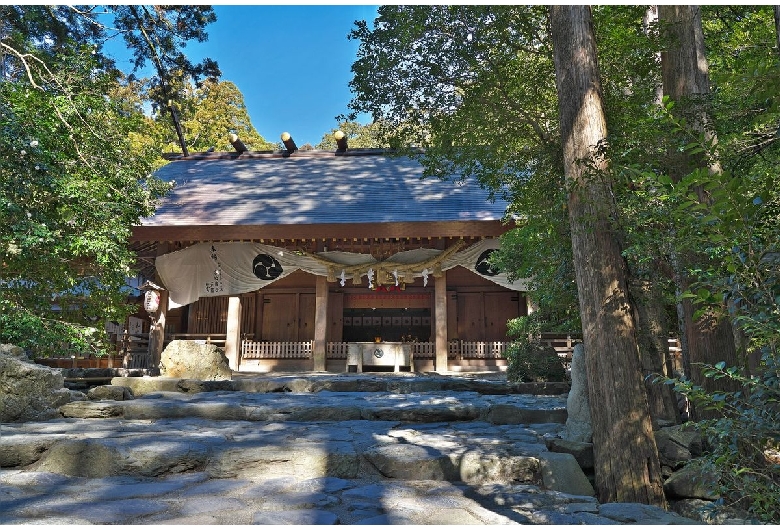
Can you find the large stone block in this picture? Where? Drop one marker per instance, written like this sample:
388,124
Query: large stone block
677,445
561,472
579,427
81,458
581,451
28,391
112,392
188,359
691,483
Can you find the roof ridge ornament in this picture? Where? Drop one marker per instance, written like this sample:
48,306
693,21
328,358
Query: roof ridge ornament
341,141
237,144
289,143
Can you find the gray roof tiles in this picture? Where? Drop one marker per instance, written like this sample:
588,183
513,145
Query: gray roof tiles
314,188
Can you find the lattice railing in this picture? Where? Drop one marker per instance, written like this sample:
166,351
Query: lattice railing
276,350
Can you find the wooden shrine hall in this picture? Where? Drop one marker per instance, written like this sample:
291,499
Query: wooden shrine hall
315,260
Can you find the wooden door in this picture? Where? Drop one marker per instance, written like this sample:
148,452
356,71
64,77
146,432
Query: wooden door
471,317
335,317
280,317
306,315
208,315
499,307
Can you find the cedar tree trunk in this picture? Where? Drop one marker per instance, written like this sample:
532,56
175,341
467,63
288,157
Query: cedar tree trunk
709,338
626,458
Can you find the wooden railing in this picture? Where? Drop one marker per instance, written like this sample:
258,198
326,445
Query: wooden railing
337,350
457,349
218,339
134,350
276,350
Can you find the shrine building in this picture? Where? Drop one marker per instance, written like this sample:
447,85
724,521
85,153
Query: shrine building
296,258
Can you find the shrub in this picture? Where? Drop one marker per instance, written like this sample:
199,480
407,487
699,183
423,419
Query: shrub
43,337
744,442
529,360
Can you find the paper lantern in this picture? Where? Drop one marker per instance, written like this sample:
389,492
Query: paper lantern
151,301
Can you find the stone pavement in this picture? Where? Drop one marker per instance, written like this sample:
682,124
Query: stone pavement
315,449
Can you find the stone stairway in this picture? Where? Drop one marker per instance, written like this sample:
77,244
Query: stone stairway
304,449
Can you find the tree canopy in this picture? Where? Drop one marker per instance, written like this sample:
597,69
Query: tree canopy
358,136
76,163
209,113
475,86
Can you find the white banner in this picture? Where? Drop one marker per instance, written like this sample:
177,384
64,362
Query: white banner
221,269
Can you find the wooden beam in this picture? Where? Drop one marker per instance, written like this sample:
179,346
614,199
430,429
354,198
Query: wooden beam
440,319
417,229
320,323
233,338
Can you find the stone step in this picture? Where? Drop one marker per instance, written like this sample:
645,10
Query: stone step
424,407
469,452
322,449
400,383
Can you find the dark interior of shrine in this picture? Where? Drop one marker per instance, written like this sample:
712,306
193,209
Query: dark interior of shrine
388,325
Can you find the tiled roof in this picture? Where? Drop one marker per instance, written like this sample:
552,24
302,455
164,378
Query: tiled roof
314,188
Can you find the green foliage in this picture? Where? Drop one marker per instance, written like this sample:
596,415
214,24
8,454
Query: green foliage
209,112
72,184
744,442
358,136
481,99
528,360
541,254
475,86
44,337
76,160
159,34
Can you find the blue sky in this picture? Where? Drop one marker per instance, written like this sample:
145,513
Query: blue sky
291,62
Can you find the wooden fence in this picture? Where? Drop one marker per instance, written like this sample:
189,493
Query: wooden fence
457,349
276,350
132,349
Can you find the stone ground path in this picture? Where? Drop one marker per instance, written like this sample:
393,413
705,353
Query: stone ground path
305,449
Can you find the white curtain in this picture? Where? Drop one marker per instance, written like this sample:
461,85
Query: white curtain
219,269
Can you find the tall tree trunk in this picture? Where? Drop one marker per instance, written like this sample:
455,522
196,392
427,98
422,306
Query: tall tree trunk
776,10
651,315
626,458
653,333
709,338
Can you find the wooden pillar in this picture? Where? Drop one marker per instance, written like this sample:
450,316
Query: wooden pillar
320,324
233,339
157,332
440,318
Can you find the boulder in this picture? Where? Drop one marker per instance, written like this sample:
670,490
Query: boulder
11,350
509,414
29,391
581,451
142,386
677,445
578,422
112,392
709,512
188,359
561,472
690,482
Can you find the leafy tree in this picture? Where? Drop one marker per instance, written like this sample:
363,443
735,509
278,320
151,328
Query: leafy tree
210,112
72,186
626,459
686,81
76,157
451,79
358,136
473,84
159,34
